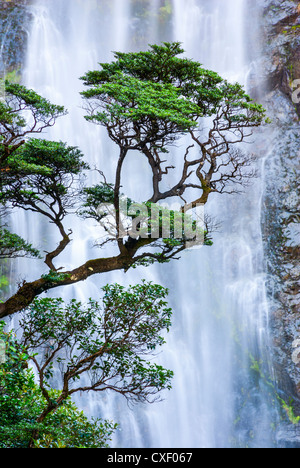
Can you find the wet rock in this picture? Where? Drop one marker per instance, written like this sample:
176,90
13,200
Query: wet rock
14,19
280,64
279,67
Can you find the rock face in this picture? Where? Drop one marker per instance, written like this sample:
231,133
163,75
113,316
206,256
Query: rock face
277,85
282,21
14,19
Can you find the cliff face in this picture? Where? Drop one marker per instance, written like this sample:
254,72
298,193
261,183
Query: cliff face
14,19
277,83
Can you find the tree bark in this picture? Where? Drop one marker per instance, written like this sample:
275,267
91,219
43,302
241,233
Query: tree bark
28,291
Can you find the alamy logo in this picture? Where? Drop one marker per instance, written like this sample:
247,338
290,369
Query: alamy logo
154,221
296,91
2,352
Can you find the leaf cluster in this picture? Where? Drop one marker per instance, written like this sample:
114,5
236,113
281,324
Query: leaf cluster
178,78
23,112
93,198
12,246
107,343
22,402
40,175
147,100
130,99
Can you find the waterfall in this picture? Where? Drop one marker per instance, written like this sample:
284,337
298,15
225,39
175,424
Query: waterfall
220,323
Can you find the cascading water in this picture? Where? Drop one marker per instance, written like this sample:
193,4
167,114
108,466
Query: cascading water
217,293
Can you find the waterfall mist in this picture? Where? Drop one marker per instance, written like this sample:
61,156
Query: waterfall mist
218,294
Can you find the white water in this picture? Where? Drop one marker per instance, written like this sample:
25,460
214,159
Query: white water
218,293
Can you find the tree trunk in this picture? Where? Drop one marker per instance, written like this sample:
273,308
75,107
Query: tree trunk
29,291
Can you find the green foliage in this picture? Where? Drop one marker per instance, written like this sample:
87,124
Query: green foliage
166,10
204,89
40,176
182,227
290,411
32,100
44,158
57,157
143,220
159,64
55,277
22,402
12,246
95,198
131,100
17,395
141,99
70,428
13,76
288,408
103,193
18,99
102,342
147,100
4,281
8,117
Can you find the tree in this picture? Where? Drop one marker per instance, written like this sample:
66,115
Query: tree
17,102
13,246
42,177
146,101
96,347
105,344
22,402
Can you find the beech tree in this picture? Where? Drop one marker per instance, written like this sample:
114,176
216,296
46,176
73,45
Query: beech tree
22,402
146,101
106,343
23,112
99,346
13,246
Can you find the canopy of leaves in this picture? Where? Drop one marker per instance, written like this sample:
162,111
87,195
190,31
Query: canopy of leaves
106,343
161,65
12,246
147,100
45,157
39,176
149,105
100,195
31,100
22,402
23,112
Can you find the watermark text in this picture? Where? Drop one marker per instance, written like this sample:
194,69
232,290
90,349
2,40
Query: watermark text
296,91
2,352
154,221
